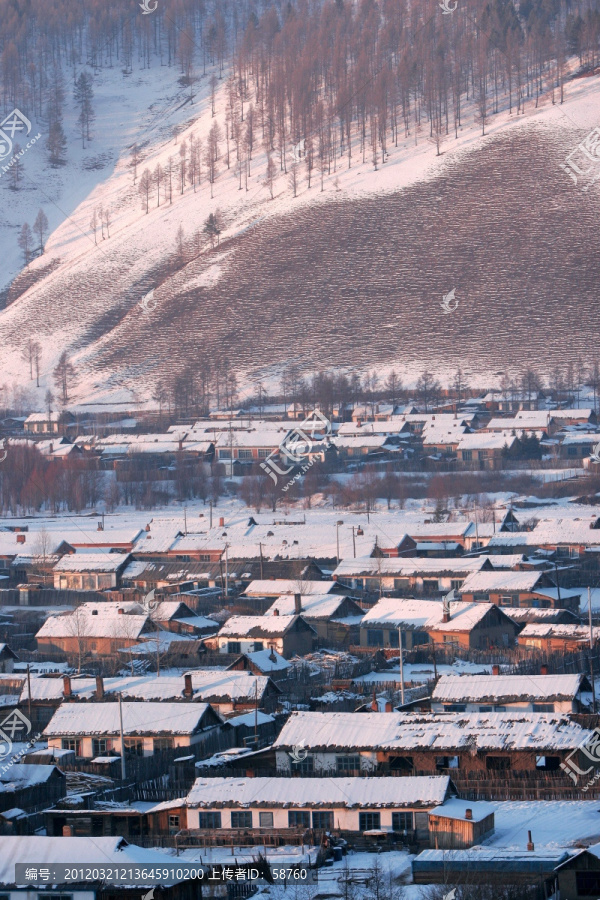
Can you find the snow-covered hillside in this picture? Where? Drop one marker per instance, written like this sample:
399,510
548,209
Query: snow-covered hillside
87,296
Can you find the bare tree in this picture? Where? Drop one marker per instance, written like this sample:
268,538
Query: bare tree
40,226
64,372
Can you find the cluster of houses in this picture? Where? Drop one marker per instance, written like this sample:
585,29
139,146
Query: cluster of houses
483,433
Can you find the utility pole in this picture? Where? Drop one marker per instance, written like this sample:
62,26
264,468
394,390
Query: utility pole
591,649
29,692
210,507
185,521
261,559
157,649
353,542
256,712
123,768
401,666
337,534
227,570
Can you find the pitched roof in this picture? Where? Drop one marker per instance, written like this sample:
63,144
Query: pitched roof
500,580
147,718
401,566
85,625
498,688
257,626
513,730
419,791
91,562
416,614
277,586
314,606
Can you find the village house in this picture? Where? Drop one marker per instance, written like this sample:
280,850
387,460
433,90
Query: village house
347,805
114,852
473,748
278,586
511,401
30,788
429,577
263,662
7,659
469,625
95,631
566,694
288,635
335,617
371,446
578,877
518,589
48,423
90,571
554,637
484,451
92,730
578,446
571,540
460,823
539,421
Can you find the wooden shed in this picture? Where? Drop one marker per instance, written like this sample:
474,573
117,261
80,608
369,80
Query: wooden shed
460,824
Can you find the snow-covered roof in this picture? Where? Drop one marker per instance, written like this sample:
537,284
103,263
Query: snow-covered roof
500,580
24,775
229,684
413,614
313,606
48,851
91,562
277,586
415,792
554,630
268,660
147,718
513,730
406,567
454,808
499,688
479,441
84,625
256,626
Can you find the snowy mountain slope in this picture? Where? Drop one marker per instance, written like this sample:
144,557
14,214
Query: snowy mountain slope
305,279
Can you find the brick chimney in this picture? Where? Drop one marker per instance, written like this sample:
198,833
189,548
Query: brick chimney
495,670
388,706
21,538
374,703
544,670
468,813
188,690
446,616
121,611
297,604
275,612
530,844
67,831
222,522
67,692
99,687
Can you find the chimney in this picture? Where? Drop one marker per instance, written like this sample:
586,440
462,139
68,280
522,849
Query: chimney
222,522
121,611
275,612
99,527
446,616
544,670
188,690
67,693
530,844
147,528
272,656
20,539
388,706
297,604
99,687
67,831
358,423
468,813
374,704
495,670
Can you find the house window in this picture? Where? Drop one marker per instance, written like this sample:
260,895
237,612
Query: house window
262,454
265,819
72,744
375,637
506,601
242,819
430,586
369,821
224,454
173,824
304,767
209,820
455,584
244,454
100,746
547,763
323,820
347,765
258,646
402,821
456,707
486,709
162,744
401,584
446,762
497,763
134,747
394,641
93,645
44,896
234,647
299,818
467,455
543,707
